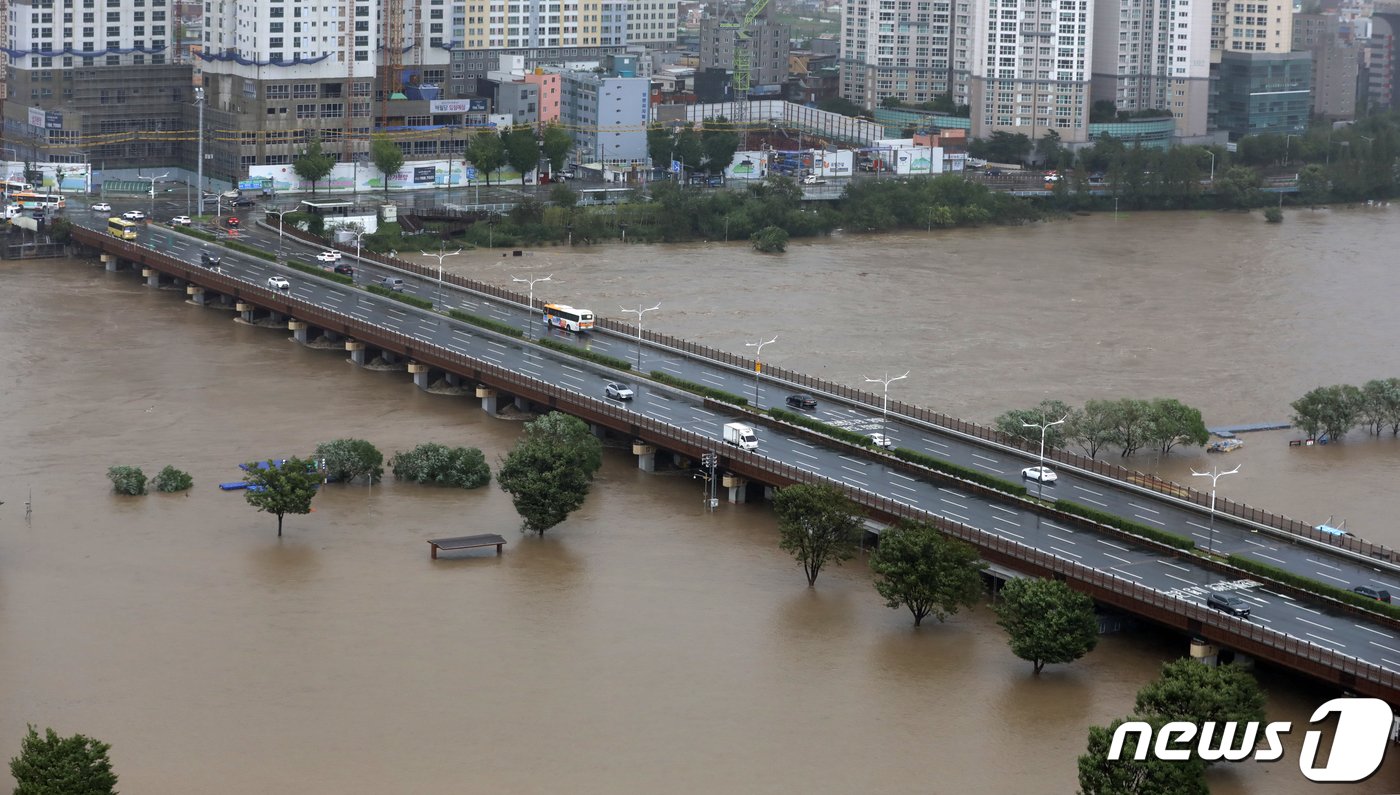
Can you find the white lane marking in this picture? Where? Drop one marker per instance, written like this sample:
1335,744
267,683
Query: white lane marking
1315,624
657,416
804,444
1279,595
394,311
950,491
333,297
1309,609
1003,510
1201,526
603,343
1261,618
1386,584
1320,563
954,504
672,368
488,357
990,469
1006,532
906,488
1141,507
1270,557
1326,640
455,348
1377,632
1088,491
1111,544
984,458
806,455
1067,541
932,442
1057,527
903,477
702,411
962,519
850,479
572,369
1150,519
1181,579
1124,561
1127,573
661,407
1383,646
1256,543
1330,577
1005,521
715,381
1067,552
1392,662
1173,565
495,344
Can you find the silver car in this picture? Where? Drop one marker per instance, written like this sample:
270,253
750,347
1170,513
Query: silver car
618,391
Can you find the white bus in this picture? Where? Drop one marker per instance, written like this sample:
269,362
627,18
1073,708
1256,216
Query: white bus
32,201
567,318
13,185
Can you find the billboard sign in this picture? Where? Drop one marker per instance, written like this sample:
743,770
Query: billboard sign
53,120
36,117
423,174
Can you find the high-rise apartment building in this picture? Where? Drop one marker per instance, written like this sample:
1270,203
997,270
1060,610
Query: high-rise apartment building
1154,55
899,48
767,43
82,71
1030,67
1260,85
1336,64
651,21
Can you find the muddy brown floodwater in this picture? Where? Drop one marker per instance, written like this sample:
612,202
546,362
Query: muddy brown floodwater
645,645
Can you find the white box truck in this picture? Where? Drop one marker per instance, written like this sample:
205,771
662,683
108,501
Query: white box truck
740,435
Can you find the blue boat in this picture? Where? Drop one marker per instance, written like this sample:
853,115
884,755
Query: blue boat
234,486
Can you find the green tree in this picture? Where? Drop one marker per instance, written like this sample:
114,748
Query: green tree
54,765
1099,775
770,240
1238,187
1013,423
1130,423
1273,215
280,489
1047,622
1331,410
1049,148
1380,404
817,524
1313,185
347,459
487,153
387,157
130,481
1172,422
720,142
462,467
171,480
548,473
563,196
555,144
1092,428
930,573
688,149
522,150
660,142
313,164
1196,693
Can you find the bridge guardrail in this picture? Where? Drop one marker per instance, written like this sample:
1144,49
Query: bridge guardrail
1244,635
1105,469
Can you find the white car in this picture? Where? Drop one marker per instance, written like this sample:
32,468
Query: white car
278,283
882,440
813,179
329,256
1042,474
134,215
101,207
618,391
181,220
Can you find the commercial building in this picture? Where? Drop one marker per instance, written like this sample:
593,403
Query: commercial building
1264,93
608,116
1154,55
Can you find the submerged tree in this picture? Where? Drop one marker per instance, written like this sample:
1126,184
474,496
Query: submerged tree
550,470
280,489
926,571
1047,622
817,524
54,765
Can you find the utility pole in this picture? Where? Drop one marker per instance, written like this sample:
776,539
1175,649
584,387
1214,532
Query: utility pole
199,166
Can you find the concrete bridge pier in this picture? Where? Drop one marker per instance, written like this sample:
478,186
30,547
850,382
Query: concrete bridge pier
420,373
768,492
196,294
152,277
357,351
332,336
110,262
452,379
488,399
646,456
738,488
276,317
600,431
299,330
1206,653
389,357
522,404
248,311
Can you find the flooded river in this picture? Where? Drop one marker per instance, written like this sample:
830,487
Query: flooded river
645,645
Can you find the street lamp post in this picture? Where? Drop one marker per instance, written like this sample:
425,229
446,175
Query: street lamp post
531,282
885,407
1287,143
1040,465
153,181
199,166
441,255
639,312
358,237
280,213
1214,475
1212,166
757,365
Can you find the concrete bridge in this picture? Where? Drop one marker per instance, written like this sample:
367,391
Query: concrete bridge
667,426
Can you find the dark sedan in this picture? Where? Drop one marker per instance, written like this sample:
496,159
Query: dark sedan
802,401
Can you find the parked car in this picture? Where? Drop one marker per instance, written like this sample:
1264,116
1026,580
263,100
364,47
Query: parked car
1042,474
278,283
882,441
618,391
101,207
329,256
345,268
392,283
1228,603
181,220
802,401
134,215
1379,594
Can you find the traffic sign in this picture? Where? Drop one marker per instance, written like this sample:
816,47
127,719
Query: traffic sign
471,173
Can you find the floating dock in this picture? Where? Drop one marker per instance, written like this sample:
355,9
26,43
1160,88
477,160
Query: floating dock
1229,431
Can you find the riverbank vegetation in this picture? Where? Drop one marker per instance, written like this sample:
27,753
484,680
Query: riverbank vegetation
1331,411
440,465
1127,423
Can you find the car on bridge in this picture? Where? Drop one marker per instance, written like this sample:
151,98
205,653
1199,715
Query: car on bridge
101,207
882,441
1040,474
1379,594
1228,603
208,260
392,283
278,283
329,256
181,220
243,202
344,268
618,391
802,401
134,215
